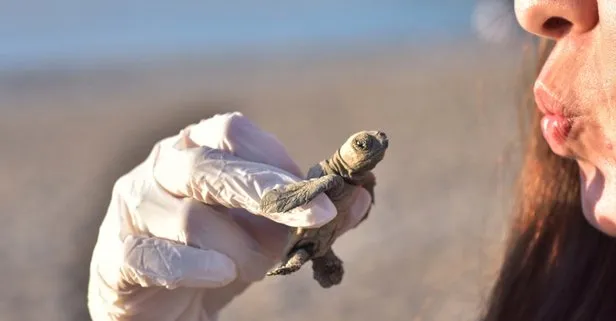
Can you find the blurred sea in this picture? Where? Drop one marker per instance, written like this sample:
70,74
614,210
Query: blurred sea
73,31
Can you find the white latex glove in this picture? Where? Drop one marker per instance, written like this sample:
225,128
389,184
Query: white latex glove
183,234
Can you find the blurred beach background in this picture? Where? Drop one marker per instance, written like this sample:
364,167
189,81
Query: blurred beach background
86,88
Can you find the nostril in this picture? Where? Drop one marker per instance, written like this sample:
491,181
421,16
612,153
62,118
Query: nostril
556,27
383,138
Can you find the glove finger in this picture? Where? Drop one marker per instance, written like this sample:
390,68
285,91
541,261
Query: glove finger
159,262
216,177
237,134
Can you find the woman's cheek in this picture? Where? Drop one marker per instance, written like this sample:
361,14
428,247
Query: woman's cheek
598,185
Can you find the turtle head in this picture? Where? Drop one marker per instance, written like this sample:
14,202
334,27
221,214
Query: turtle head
363,151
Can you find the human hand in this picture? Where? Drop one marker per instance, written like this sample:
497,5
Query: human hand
188,217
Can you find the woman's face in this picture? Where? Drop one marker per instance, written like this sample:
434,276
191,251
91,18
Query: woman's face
576,91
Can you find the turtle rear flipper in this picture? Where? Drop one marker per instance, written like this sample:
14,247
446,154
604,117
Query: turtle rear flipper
327,269
293,264
288,197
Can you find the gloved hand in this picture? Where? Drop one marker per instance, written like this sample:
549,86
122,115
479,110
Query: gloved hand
183,234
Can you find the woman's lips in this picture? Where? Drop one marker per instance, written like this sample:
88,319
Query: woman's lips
555,131
554,125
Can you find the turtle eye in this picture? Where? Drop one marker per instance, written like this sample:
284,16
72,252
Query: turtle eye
361,144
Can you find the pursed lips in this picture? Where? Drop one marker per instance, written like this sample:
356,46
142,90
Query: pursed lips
547,102
555,125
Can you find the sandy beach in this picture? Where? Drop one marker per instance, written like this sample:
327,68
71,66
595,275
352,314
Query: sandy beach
427,252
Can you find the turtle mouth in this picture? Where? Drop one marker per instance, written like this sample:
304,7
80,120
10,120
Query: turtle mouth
382,138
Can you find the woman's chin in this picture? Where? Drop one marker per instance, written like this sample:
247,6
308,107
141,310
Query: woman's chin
599,198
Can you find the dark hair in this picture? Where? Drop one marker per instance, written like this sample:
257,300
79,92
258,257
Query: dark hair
556,266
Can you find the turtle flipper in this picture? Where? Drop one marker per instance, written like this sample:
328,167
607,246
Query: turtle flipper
288,197
293,264
368,181
327,269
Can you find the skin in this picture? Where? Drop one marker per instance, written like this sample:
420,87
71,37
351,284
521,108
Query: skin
578,81
337,176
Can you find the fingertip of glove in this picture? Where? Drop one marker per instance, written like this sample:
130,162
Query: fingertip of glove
314,214
227,269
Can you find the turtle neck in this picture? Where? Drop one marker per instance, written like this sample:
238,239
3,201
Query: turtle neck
336,165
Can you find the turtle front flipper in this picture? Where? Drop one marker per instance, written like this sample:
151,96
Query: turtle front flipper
293,264
368,181
327,269
288,197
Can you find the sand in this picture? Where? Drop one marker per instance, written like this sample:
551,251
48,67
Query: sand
429,249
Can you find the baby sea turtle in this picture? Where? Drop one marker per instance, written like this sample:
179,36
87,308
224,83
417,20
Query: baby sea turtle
337,177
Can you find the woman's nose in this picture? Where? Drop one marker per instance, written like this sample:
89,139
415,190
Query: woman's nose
556,18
